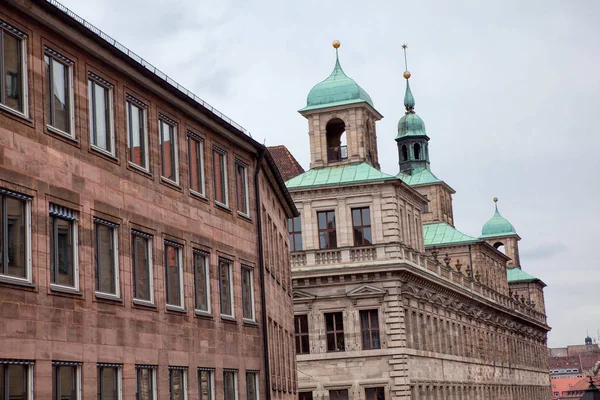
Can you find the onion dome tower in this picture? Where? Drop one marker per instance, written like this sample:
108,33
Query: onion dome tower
498,232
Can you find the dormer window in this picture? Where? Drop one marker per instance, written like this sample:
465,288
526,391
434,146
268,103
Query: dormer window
336,140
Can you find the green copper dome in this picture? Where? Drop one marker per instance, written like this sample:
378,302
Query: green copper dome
337,89
497,226
410,124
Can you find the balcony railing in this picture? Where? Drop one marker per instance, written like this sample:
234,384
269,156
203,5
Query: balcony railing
337,153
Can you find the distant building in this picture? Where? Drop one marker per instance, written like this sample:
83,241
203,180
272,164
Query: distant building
574,361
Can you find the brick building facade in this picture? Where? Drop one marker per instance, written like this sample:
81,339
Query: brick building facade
143,244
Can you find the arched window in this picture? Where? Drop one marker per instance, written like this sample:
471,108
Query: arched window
500,247
404,153
336,140
417,151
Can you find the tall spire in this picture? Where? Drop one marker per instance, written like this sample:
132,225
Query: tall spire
338,67
409,100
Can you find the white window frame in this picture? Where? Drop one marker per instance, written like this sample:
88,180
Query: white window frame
115,238
250,270
119,377
236,391
231,296
179,249
173,125
192,137
185,381
75,232
154,388
136,103
206,268
94,79
211,377
53,55
239,163
77,378
256,382
225,175
28,262
24,81
149,246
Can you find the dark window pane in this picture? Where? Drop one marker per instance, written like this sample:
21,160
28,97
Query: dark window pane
298,242
141,268
225,287
177,389
168,149
195,168
145,384
173,275
367,236
15,216
61,257
219,173
251,386
366,216
356,221
105,259
229,385
60,96
201,270
12,72
99,108
331,219
242,187
305,396
205,383
247,293
137,136
107,383
322,220
17,382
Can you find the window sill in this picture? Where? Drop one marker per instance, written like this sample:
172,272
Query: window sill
104,153
250,322
65,290
176,309
136,168
229,319
198,195
16,281
110,297
16,113
144,303
244,216
203,314
222,206
62,134
170,183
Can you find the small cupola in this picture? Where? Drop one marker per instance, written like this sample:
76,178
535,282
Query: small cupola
497,225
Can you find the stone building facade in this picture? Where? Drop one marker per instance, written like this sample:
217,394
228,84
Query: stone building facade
390,300
143,244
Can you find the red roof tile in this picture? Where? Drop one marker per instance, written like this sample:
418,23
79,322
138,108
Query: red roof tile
287,164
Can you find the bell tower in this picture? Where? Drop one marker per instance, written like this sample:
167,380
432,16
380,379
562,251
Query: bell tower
341,121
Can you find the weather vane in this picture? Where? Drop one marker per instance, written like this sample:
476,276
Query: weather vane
406,73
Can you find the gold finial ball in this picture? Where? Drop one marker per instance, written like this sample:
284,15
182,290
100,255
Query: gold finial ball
336,44
406,74
495,199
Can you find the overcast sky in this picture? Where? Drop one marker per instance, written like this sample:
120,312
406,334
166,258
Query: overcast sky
509,92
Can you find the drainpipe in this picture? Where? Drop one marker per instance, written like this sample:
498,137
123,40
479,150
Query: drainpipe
261,268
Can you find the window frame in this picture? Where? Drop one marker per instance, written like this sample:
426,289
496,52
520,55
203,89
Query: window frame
327,230
374,390
245,203
225,181
292,225
131,102
299,334
184,382
6,28
56,365
134,267
206,267
211,383
93,80
199,143
229,264
234,372
369,329
28,376
363,242
114,228
335,332
70,66
175,146
153,381
248,270
4,276
305,395
74,228
340,393
253,375
119,380
179,258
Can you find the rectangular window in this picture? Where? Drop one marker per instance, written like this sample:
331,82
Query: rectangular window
168,150
143,277
305,395
137,133
206,378
202,281
369,325
230,390
301,327
248,292
241,179
15,236
220,176
59,92
361,226
426,205
177,383
196,154
327,232
226,287
295,231
341,394
66,381
375,393
252,385
146,382
334,326
174,274
109,382
15,380
101,114
64,266
106,257
13,82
